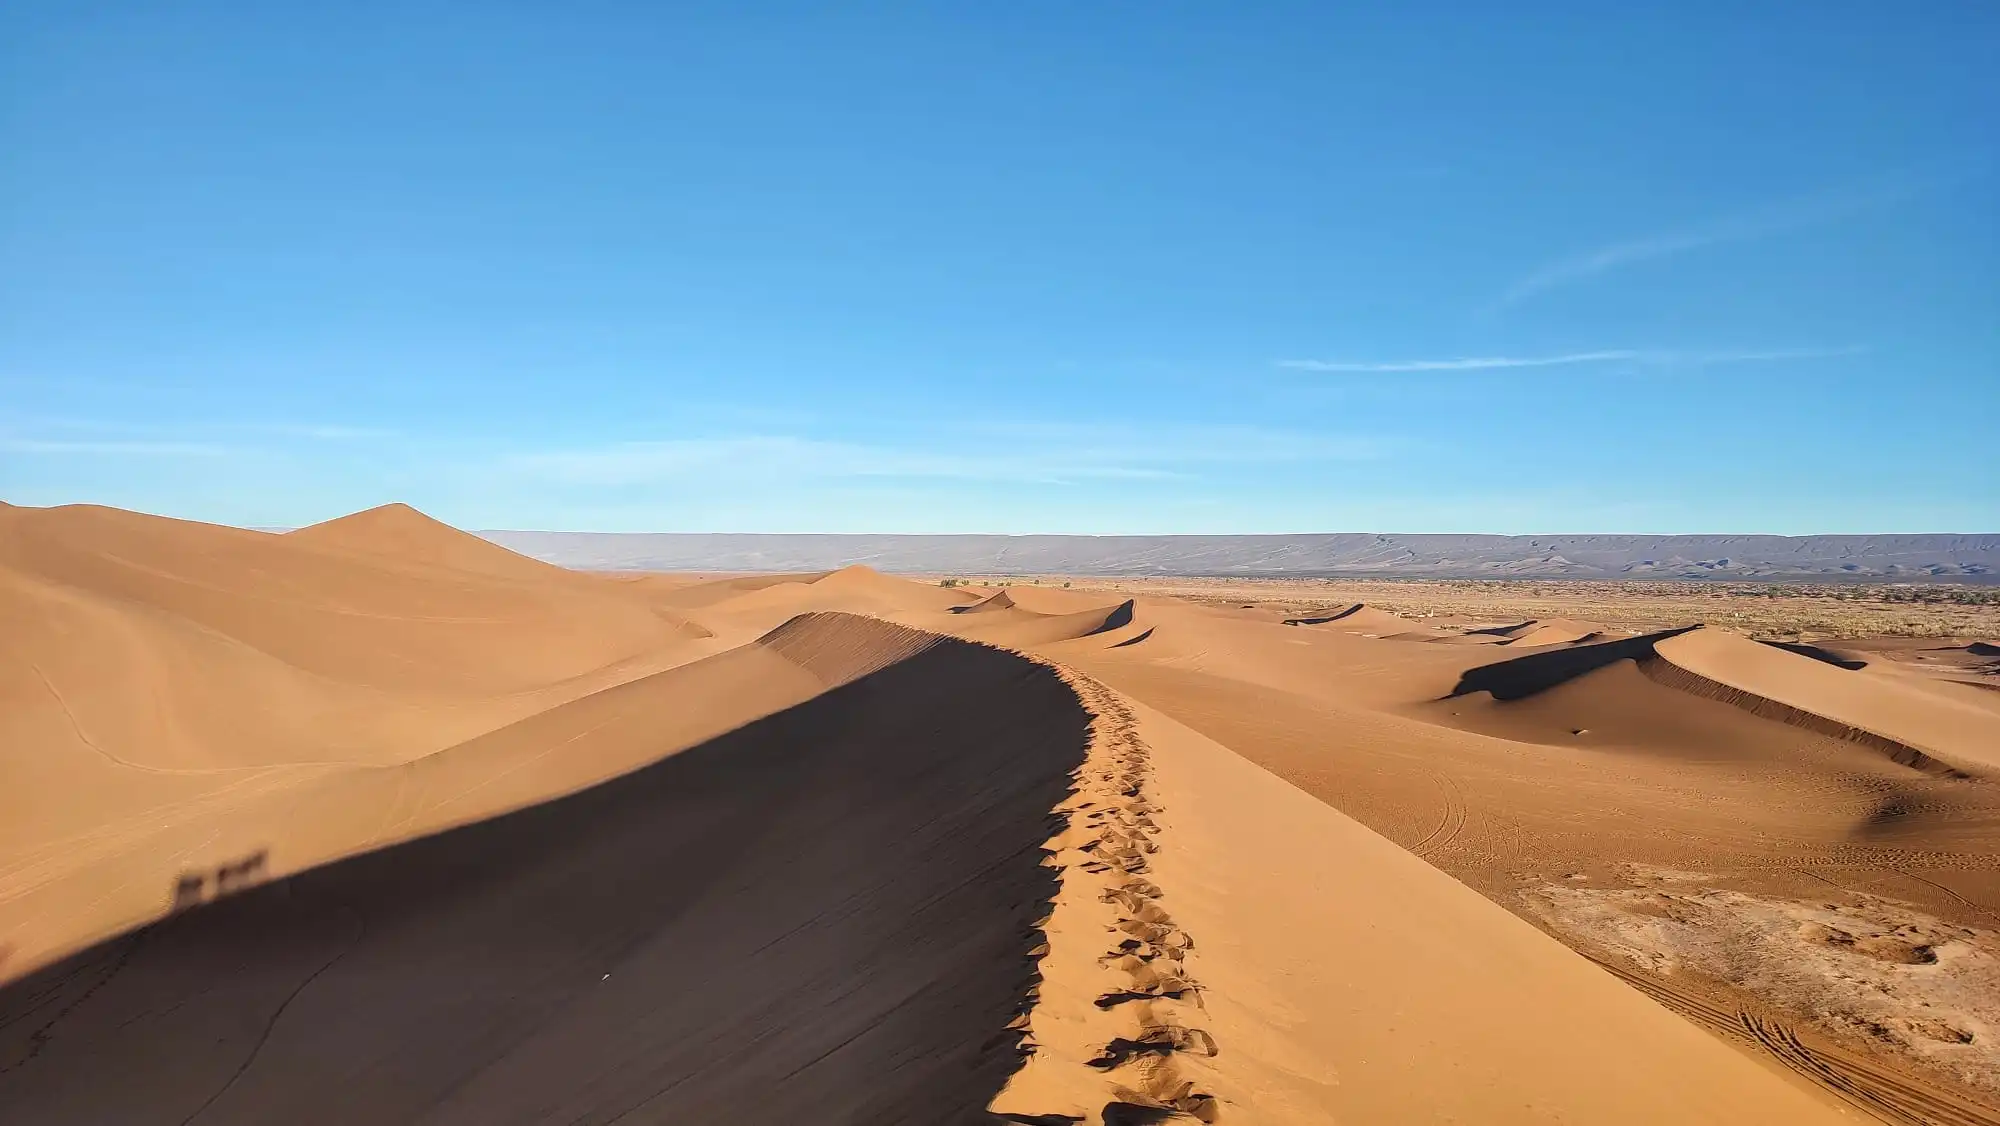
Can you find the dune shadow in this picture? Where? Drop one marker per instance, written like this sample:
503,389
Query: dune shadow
1119,617
1826,656
1521,677
1499,631
824,916
1322,619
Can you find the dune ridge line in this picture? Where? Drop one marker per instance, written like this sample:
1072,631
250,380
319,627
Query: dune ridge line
1110,1032
1662,670
1651,654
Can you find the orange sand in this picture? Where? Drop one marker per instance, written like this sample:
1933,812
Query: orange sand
378,822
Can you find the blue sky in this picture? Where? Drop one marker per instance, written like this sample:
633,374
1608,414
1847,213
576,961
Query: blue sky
1007,267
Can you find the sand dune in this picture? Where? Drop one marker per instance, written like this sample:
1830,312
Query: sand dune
1545,631
992,604
856,590
1358,618
180,693
153,668
1599,780
1042,600
1805,691
1026,627
1869,707
400,532
369,823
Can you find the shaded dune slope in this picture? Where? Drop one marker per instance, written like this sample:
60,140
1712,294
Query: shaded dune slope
1359,616
824,915
1839,658
1802,691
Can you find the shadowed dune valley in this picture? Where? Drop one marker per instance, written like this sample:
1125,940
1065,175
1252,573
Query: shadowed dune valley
376,821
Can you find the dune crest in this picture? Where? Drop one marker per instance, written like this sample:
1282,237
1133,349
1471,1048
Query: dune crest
400,531
1546,631
990,604
1114,1031
1776,684
1358,618
1016,627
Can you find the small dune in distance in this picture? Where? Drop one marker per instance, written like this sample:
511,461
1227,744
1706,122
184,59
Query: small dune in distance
378,821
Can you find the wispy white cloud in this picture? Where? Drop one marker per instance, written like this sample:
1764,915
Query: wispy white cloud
113,448
1613,355
1182,443
83,431
1747,226
781,456
1025,453
1469,363
317,431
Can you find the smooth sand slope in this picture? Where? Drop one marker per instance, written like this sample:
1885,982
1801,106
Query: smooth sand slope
483,841
158,674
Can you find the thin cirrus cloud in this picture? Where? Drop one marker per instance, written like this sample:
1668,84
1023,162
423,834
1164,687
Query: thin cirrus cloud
1565,359
60,436
142,428
59,447
1028,455
787,457
1747,226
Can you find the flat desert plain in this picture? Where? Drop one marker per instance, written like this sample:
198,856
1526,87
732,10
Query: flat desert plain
378,822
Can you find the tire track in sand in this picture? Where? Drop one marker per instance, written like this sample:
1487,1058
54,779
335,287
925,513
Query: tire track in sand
1885,1095
1450,823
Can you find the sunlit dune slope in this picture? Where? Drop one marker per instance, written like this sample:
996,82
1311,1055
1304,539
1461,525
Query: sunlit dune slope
1346,980
401,532
155,671
357,618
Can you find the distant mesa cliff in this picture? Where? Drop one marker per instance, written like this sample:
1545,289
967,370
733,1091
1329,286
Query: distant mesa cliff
1890,558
